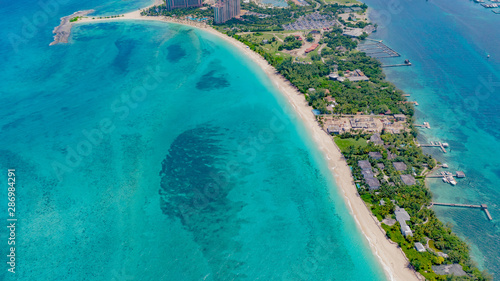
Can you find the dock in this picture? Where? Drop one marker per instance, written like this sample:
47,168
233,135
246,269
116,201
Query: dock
435,144
395,65
483,207
425,125
447,177
378,50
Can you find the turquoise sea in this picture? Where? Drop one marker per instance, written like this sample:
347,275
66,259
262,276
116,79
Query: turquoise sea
458,90
152,151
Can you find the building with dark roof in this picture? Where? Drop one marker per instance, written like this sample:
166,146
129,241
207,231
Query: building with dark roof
333,129
367,174
408,179
373,183
375,155
376,139
400,117
365,165
399,166
449,269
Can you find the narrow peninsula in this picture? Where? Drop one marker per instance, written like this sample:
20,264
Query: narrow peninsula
63,30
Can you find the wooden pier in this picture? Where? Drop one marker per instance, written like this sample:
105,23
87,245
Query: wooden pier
425,125
438,144
483,207
394,65
378,50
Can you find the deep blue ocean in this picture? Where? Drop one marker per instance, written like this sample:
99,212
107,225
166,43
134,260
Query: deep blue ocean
458,90
153,151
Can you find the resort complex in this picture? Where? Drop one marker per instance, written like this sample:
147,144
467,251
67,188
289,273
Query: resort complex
321,57
225,10
179,4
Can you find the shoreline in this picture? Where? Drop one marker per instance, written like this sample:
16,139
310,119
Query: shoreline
393,261
63,30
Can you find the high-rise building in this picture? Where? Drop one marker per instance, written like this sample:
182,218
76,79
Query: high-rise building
225,10
176,4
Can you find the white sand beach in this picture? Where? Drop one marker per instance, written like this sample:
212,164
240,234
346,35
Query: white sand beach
392,259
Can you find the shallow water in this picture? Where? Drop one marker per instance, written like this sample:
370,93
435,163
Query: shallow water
458,90
152,151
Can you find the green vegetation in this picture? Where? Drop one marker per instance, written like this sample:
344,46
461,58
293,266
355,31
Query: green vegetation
193,12
262,32
342,2
74,19
291,42
424,222
346,143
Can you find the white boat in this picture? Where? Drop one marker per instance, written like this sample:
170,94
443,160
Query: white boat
452,181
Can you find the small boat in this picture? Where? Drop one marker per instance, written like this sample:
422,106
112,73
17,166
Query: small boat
488,56
445,165
452,181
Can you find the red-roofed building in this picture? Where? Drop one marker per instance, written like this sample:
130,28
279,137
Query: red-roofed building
312,48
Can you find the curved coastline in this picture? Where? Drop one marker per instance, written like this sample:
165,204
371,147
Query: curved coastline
389,255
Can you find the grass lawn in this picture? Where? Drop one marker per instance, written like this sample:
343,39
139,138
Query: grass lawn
344,144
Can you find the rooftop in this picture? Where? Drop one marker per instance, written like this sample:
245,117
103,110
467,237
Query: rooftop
365,165
419,247
405,229
445,269
399,166
401,215
367,173
375,155
376,139
408,179
373,183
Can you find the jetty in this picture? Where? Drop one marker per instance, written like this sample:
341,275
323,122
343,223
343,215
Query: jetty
484,207
425,125
394,65
448,177
435,144
378,50
63,30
